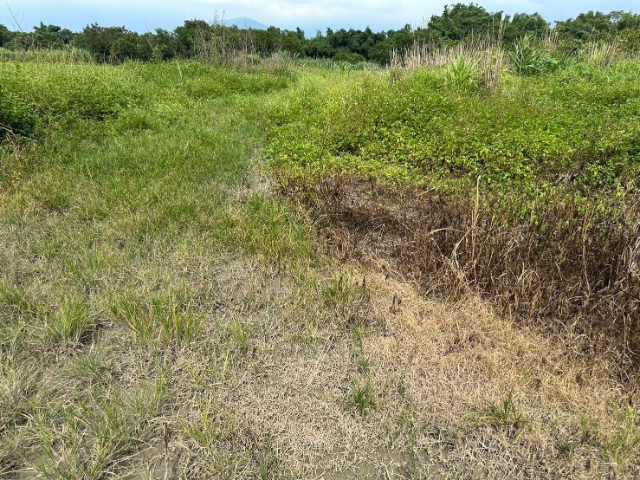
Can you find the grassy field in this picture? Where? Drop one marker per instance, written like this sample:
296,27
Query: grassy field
207,273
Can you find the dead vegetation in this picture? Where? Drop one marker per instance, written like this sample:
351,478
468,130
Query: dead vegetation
570,269
161,317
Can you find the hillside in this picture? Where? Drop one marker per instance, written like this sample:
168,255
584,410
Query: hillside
245,22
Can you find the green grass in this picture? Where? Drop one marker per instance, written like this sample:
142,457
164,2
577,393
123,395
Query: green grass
109,176
164,314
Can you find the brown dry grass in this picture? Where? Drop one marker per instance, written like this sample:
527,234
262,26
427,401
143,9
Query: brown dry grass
268,381
567,268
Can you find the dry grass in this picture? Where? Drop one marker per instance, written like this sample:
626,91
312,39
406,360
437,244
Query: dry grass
144,334
485,54
570,268
267,385
268,382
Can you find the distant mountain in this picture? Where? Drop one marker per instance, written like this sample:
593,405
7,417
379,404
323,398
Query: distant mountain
245,22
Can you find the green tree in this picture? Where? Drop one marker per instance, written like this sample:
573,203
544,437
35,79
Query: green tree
523,24
459,21
99,40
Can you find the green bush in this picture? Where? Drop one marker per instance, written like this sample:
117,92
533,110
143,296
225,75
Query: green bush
15,117
560,130
352,58
529,59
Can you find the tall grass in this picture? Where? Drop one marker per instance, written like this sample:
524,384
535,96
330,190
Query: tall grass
70,55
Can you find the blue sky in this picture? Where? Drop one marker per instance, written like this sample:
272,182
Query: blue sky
146,15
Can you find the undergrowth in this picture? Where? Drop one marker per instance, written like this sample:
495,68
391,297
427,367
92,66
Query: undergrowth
162,314
526,192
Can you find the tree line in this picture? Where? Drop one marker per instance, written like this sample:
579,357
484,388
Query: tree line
197,37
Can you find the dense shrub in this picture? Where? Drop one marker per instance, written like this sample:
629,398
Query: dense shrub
15,116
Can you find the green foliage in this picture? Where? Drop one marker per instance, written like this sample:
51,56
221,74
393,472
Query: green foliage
528,59
15,115
503,415
522,24
625,443
349,57
459,21
363,398
462,74
223,82
527,136
35,96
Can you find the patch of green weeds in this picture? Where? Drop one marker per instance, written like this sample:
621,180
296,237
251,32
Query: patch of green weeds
69,324
361,359
240,334
348,298
523,138
363,398
504,415
88,438
625,444
178,323
157,318
268,464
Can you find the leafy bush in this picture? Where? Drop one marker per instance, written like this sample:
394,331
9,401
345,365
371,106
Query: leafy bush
15,117
527,59
462,74
59,95
352,58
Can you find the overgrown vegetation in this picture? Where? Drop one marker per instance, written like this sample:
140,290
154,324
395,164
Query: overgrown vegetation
447,286
525,191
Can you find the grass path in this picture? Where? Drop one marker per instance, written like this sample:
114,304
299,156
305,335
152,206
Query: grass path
163,315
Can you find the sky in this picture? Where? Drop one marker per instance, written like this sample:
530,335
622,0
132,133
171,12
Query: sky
147,15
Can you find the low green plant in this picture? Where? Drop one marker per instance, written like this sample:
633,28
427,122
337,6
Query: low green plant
348,298
241,335
126,311
94,434
67,324
363,362
363,398
177,323
16,117
503,415
627,442
268,464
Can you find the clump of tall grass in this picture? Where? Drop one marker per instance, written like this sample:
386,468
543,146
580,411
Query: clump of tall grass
527,58
603,54
461,75
69,56
332,64
486,54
